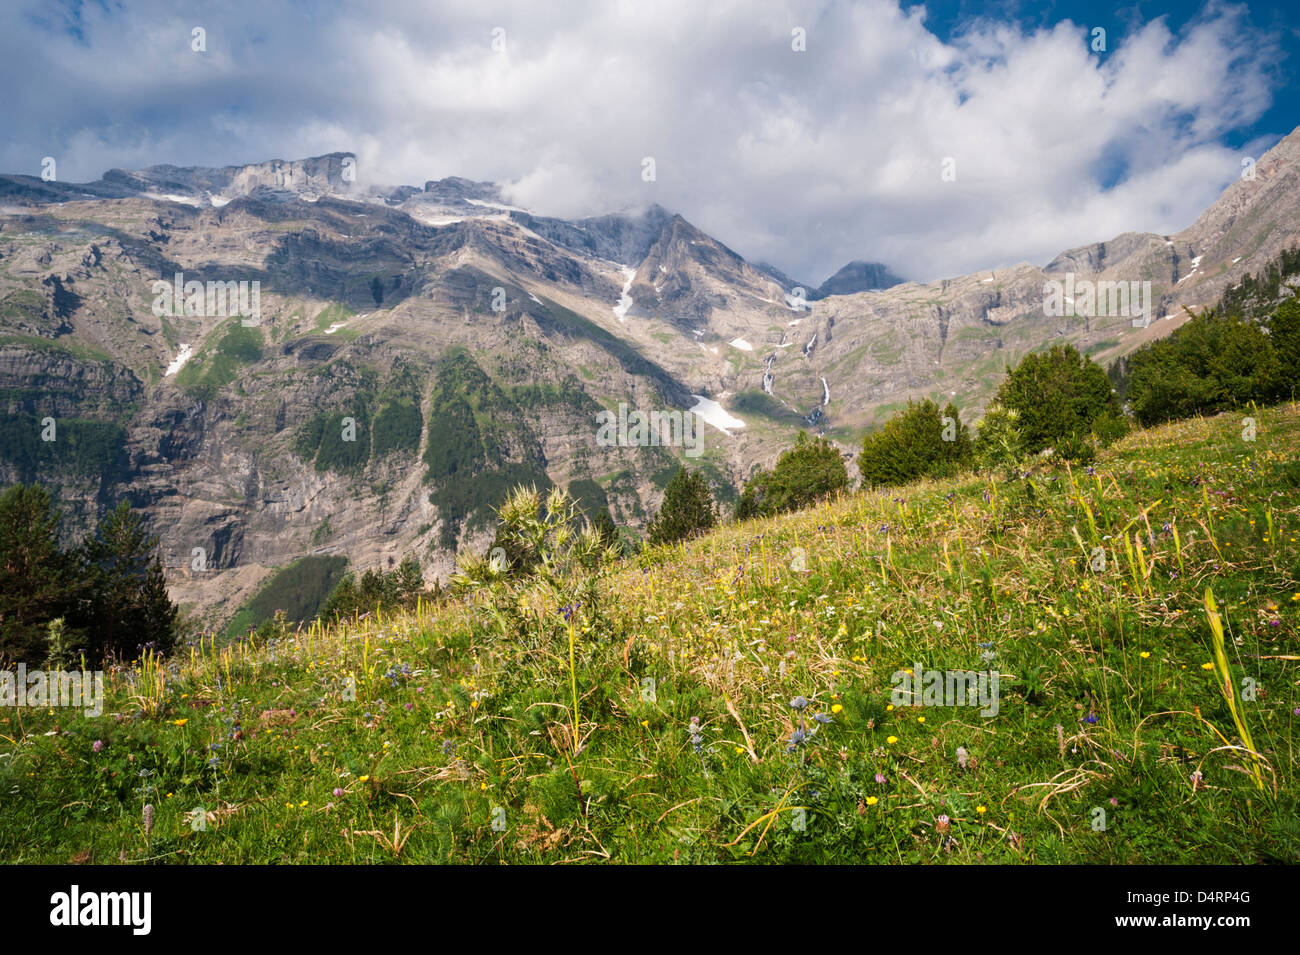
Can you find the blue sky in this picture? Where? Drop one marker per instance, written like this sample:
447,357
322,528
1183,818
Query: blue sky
804,153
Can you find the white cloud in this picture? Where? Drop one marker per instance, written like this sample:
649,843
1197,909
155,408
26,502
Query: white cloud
803,159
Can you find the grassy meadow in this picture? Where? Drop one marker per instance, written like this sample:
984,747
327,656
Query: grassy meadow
729,700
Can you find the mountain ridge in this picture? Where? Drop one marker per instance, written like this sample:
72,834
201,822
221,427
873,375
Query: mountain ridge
366,291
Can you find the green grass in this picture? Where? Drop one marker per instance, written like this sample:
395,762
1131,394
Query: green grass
219,364
331,315
299,589
404,738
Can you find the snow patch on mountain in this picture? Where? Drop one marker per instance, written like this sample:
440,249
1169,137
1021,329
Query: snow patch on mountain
184,355
1196,264
715,415
625,300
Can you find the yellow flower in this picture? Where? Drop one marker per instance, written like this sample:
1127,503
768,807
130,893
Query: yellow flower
1207,666
836,708
981,809
1144,654
482,786
302,804
365,779
645,723
891,740
179,722
740,751
872,800
920,719
889,707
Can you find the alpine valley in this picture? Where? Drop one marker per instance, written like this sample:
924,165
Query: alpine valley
473,345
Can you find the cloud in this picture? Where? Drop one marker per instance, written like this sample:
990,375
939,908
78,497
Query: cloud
804,159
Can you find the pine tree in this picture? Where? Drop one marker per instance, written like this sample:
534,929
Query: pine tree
33,573
125,607
408,583
687,509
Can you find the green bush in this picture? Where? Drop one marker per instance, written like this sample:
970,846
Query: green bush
1056,394
808,472
1212,363
917,442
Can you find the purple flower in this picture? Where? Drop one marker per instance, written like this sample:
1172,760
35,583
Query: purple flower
1090,718
337,792
97,746
880,778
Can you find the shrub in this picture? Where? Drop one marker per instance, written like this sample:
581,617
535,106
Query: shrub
687,509
1056,394
919,441
1212,363
808,472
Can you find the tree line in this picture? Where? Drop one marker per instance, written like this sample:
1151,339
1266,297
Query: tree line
100,600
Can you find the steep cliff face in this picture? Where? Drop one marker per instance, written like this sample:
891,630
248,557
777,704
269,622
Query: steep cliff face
397,357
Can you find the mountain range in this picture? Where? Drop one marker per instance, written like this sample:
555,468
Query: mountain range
469,344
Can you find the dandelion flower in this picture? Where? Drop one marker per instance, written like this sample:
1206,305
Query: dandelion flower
891,740
836,708
981,809
872,800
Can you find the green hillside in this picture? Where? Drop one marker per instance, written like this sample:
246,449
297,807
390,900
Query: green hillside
730,700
